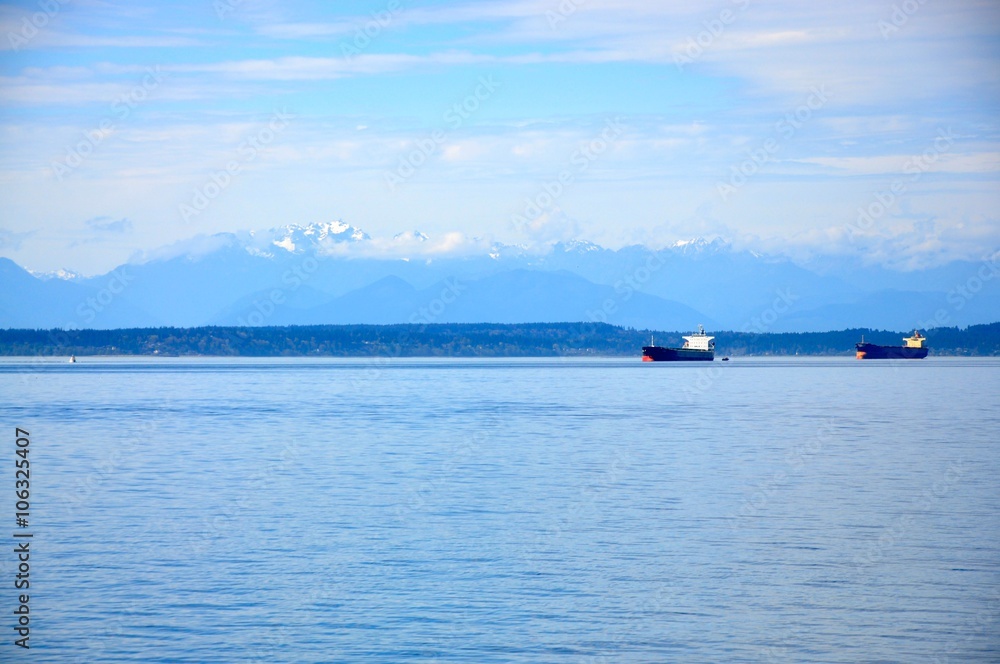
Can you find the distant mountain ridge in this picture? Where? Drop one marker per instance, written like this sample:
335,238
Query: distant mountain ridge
334,272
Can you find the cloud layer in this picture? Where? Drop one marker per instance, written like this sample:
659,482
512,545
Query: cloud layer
773,123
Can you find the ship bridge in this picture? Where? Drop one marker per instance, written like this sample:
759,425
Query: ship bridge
699,341
916,341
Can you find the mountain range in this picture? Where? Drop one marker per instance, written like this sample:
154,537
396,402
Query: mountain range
335,273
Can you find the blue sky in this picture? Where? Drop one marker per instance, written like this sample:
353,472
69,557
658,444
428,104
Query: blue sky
128,126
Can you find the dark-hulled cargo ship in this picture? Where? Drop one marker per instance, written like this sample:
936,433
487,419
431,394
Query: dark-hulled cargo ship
913,350
698,346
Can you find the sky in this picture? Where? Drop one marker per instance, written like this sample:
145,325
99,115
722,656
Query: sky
857,130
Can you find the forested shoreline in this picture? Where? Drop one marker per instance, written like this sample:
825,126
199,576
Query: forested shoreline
462,340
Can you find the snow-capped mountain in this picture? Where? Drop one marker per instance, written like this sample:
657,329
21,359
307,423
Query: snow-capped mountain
64,275
700,245
334,272
576,246
298,239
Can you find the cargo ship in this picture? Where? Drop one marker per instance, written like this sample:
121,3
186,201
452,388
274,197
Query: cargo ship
913,350
698,346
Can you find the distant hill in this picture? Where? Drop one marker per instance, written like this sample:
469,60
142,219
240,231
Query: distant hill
460,340
334,273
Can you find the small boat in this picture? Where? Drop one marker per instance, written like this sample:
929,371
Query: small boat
913,350
72,359
698,346
725,359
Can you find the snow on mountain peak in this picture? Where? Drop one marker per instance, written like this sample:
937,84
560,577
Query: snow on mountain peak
415,236
64,275
699,244
296,238
581,246
285,243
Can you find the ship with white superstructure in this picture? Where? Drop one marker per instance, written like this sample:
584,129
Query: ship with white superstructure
698,346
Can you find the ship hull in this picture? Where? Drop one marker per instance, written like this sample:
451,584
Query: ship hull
661,354
874,352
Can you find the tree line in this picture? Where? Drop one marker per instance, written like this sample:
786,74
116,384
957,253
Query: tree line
463,340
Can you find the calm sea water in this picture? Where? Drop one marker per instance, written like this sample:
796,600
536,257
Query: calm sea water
813,510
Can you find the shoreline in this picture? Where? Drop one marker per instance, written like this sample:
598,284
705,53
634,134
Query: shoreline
457,340
383,357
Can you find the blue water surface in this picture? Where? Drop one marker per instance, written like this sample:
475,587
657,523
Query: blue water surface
441,510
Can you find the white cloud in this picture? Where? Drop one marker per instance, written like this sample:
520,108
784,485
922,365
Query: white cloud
911,165
11,239
888,96
109,225
553,226
195,247
413,245
896,242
